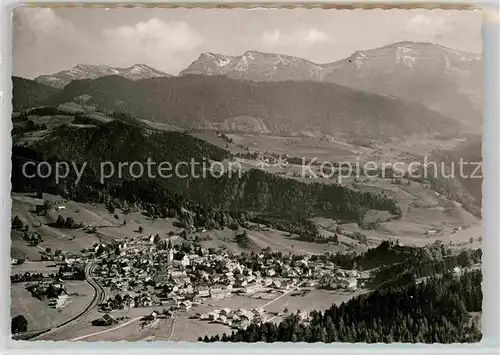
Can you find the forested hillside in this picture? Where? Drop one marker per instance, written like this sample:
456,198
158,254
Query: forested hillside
208,102
28,93
253,193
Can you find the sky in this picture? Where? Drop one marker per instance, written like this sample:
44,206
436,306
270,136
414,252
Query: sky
48,40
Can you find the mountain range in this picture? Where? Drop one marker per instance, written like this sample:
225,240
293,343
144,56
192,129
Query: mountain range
88,71
445,80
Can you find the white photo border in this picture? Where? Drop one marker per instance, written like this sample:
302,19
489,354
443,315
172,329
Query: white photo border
491,207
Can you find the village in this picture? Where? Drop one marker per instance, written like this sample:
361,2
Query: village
152,272
172,279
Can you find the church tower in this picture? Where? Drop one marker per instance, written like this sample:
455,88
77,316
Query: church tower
170,257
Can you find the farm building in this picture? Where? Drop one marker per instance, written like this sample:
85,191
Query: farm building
185,306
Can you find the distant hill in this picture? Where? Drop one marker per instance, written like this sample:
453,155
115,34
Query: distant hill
443,79
471,180
87,71
219,102
28,93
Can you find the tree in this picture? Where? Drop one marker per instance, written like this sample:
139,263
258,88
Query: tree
51,292
47,205
70,223
471,240
17,223
336,238
48,250
140,230
19,324
118,299
184,234
60,221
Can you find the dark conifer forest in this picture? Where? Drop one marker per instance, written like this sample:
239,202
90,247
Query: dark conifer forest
213,200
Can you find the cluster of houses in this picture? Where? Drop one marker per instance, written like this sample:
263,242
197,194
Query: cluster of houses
341,279
240,318
47,290
145,276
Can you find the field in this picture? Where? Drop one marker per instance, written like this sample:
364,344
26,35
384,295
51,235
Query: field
292,146
428,217
39,314
44,267
186,328
190,329
108,225
329,149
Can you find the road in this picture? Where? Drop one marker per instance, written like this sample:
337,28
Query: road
284,294
99,297
106,330
173,328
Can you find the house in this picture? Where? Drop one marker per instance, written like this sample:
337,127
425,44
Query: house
225,312
245,317
251,289
185,306
203,292
61,301
431,232
258,311
222,319
243,325
131,303
185,261
60,208
267,282
219,293
213,316
109,319
177,274
302,315
146,301
310,284
276,284
351,284
270,272
287,284
186,289
240,283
